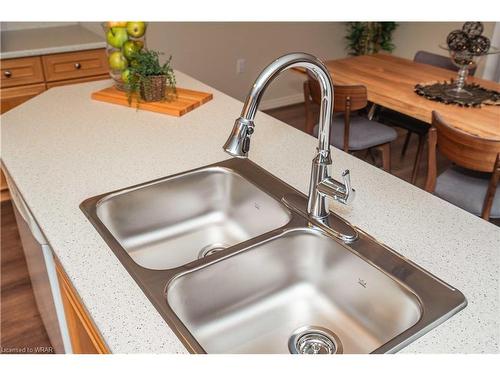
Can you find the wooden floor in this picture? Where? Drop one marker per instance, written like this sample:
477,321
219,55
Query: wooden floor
21,325
21,329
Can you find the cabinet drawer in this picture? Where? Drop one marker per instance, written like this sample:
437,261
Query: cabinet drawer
13,96
22,71
72,65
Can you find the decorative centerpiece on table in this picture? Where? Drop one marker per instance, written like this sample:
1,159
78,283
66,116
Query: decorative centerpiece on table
465,47
147,79
123,39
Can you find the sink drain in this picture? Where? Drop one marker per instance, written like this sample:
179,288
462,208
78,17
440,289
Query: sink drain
211,249
314,340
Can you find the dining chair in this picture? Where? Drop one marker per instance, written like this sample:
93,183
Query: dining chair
412,125
472,182
349,131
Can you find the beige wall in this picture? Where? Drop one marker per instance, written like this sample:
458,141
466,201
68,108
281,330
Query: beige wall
411,37
209,51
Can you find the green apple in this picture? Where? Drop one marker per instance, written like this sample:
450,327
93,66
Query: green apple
117,61
125,75
130,47
116,36
136,29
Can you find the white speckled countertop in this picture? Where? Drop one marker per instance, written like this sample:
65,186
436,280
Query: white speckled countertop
61,148
47,40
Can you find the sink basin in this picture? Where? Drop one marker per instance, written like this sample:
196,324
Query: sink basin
230,260
171,222
255,301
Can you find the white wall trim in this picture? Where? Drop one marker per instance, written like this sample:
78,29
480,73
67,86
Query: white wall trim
282,101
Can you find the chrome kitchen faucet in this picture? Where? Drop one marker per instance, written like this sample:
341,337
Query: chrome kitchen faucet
321,185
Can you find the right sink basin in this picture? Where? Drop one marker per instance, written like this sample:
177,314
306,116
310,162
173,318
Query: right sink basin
300,291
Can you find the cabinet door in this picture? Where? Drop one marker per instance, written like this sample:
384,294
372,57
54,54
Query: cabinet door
85,338
13,96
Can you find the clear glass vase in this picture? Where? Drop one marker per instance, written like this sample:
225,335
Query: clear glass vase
123,39
465,61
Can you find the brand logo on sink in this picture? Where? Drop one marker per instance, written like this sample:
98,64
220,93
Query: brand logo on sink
362,282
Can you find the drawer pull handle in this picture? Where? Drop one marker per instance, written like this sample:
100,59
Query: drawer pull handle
78,65
7,74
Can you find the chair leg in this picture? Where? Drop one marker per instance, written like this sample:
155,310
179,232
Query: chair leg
372,112
416,164
372,155
405,145
386,156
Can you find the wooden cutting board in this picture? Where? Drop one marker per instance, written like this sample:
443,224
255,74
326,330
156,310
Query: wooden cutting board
186,101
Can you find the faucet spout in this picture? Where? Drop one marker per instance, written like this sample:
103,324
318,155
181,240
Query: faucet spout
238,143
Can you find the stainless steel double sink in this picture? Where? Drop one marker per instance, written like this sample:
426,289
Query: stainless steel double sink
233,270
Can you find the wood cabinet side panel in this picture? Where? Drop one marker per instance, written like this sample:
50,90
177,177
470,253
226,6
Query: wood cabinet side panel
85,338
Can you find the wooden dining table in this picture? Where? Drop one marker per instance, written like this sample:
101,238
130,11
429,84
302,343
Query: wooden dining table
390,83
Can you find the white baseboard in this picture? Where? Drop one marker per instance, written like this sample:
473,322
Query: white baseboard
281,102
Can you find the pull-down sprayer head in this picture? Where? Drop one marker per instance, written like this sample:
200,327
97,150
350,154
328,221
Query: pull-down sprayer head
238,143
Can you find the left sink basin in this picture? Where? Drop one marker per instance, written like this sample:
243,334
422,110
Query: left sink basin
170,222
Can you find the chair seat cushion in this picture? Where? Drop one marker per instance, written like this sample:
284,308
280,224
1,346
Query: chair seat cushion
466,189
363,133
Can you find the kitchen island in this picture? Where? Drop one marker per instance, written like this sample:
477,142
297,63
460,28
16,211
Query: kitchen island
61,148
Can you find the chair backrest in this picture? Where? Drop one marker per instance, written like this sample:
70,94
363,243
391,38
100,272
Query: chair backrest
354,96
467,151
440,61
464,149
346,99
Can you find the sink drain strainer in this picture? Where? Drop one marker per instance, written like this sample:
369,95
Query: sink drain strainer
211,249
314,340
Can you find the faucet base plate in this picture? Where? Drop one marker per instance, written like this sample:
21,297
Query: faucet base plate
332,224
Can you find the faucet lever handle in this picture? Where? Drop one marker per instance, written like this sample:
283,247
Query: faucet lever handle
340,191
349,191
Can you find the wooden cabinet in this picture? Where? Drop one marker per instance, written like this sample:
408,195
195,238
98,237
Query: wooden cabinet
77,80
21,71
23,78
84,336
13,96
4,190
71,65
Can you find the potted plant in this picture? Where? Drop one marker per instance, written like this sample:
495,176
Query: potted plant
369,37
147,79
